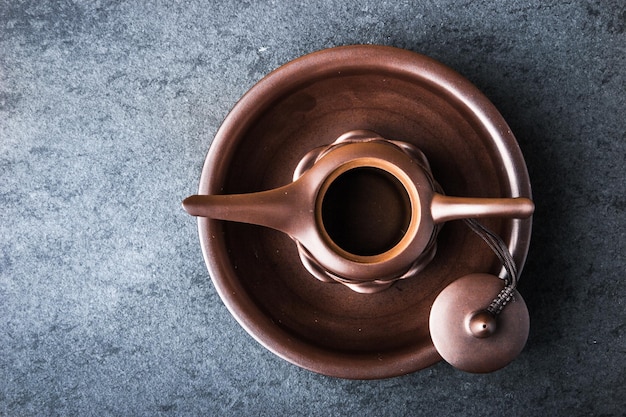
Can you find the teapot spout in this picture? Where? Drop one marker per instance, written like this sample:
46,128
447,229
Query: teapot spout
278,208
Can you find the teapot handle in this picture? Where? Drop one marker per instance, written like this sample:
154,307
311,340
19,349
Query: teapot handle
444,208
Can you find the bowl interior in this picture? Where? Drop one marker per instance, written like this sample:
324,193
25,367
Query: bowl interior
327,327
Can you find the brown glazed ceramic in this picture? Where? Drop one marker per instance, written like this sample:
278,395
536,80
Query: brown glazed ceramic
362,210
410,102
469,337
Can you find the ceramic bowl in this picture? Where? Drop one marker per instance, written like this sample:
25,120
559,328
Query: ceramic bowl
310,102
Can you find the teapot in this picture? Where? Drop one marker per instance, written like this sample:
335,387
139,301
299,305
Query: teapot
364,211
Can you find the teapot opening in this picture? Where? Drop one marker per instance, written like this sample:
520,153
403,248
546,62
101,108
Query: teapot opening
366,211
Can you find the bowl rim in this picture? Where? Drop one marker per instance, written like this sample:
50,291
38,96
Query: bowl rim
279,83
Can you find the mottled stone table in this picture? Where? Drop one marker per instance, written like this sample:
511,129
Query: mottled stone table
107,110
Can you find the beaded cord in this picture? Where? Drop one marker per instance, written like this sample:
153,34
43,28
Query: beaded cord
501,250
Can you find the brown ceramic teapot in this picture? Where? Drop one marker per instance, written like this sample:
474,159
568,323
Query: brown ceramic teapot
364,211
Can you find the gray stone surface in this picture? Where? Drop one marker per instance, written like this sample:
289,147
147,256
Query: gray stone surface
107,109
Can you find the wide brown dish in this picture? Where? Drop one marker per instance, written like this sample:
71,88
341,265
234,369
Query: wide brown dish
309,103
